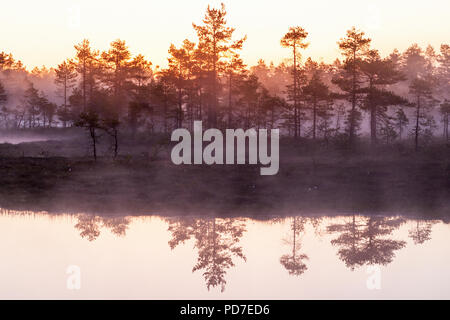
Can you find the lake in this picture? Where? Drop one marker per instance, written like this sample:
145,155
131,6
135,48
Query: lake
348,256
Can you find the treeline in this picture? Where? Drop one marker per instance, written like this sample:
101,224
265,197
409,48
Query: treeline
401,96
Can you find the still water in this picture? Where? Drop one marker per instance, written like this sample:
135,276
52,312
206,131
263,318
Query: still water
154,257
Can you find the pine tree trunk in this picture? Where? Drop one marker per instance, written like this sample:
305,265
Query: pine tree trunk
416,137
314,118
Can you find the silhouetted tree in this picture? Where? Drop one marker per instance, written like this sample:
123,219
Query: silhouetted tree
180,74
47,110
248,101
65,78
445,111
32,104
164,100
354,48
141,76
379,73
91,121
4,112
111,126
421,90
234,71
3,95
414,63
295,40
86,64
400,121
214,44
116,74
316,93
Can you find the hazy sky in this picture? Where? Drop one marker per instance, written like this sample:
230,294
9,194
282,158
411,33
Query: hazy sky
43,32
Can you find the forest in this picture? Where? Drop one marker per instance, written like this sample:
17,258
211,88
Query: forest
402,96
361,105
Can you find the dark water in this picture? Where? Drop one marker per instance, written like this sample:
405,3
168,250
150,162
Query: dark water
154,257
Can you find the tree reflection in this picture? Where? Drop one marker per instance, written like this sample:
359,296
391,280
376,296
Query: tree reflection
293,262
421,232
117,225
217,242
363,240
89,225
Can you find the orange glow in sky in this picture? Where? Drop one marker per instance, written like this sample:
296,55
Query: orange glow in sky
44,32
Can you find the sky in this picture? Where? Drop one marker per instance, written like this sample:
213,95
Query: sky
44,32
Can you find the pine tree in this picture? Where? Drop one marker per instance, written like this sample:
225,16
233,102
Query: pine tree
316,92
32,103
141,78
3,110
214,44
86,64
91,122
180,72
401,121
379,73
445,112
235,71
65,78
295,40
354,48
116,73
3,95
444,84
421,90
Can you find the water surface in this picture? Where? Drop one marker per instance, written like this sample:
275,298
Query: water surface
154,257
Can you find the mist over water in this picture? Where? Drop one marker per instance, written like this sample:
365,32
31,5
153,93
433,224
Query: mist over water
20,140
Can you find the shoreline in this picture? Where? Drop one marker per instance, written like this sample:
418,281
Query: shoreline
139,185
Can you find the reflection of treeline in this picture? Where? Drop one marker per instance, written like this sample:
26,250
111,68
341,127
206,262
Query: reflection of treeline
294,261
360,240
89,225
364,241
208,80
